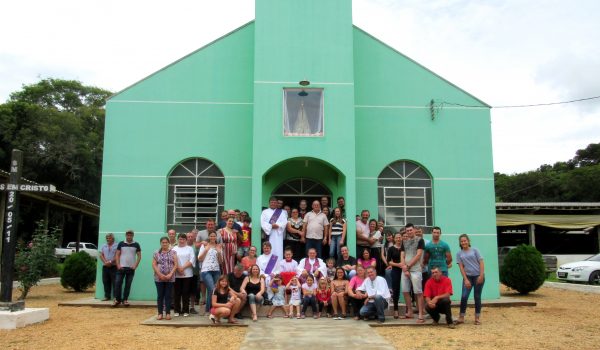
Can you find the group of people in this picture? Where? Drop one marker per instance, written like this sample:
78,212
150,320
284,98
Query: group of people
221,269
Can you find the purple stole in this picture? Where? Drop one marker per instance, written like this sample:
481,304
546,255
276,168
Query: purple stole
271,264
308,268
275,216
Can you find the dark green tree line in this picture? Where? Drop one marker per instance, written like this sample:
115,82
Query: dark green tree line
576,180
59,125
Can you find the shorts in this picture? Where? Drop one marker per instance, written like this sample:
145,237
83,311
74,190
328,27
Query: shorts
243,251
295,302
416,279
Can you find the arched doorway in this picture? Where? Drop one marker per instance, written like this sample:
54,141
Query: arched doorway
292,191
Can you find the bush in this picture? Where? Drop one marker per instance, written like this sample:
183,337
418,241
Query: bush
36,259
523,269
79,272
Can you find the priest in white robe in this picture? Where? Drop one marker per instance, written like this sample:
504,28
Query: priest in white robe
273,222
312,263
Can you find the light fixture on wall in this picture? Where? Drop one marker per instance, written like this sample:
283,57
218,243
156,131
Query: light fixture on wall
304,82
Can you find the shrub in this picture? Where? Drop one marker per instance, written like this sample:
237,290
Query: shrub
79,272
523,269
36,259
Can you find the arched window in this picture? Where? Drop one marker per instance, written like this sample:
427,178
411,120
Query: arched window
196,193
404,195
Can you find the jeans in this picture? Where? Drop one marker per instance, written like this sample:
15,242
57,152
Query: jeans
311,301
375,308
182,295
108,280
126,273
335,246
314,243
477,295
253,299
163,298
210,279
441,307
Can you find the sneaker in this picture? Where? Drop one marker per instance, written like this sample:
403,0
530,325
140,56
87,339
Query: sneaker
212,318
451,325
186,314
176,314
193,312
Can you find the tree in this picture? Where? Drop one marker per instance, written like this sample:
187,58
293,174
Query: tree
523,269
35,259
59,125
588,156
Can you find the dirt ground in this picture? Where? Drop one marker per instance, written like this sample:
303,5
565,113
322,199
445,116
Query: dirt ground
562,319
107,328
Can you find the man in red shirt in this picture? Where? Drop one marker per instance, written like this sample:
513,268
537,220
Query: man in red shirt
438,290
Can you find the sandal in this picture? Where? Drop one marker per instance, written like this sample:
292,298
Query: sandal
420,320
406,317
269,316
459,321
116,303
286,316
159,317
168,318
477,323
396,315
126,303
232,321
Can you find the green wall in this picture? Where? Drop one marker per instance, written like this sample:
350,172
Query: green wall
224,102
294,41
200,106
392,95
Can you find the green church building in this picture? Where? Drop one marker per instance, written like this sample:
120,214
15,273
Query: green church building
298,103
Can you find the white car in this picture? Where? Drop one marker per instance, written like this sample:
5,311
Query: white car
587,270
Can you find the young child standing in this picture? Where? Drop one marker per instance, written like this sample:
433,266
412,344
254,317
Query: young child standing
309,299
330,270
244,239
323,298
278,291
295,296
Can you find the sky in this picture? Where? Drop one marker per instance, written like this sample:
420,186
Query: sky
503,52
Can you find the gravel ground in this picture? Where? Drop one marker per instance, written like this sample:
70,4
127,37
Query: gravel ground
561,320
107,328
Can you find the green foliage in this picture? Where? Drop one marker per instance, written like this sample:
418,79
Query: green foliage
79,272
577,180
35,259
523,269
59,125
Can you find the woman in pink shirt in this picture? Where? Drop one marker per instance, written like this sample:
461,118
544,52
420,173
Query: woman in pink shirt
356,298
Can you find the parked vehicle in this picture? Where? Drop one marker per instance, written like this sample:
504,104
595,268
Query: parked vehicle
587,271
90,248
549,260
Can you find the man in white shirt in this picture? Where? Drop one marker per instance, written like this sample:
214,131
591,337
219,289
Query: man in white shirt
362,232
378,294
315,226
273,221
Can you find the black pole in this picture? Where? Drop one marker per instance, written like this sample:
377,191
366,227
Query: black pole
11,221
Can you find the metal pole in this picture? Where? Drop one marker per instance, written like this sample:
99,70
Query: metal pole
79,228
11,222
532,235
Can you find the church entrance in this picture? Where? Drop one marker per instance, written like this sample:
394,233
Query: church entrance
293,191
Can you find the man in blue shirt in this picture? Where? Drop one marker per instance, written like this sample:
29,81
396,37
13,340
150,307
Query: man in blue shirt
437,252
109,265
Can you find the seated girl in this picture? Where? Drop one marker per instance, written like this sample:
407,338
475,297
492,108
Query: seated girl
339,293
